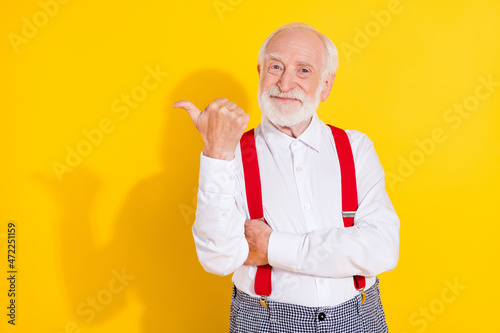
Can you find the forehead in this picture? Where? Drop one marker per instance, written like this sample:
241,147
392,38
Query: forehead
297,46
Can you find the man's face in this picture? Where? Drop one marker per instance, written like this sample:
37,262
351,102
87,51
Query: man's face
290,82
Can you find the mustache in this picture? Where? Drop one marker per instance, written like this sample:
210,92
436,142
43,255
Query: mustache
295,93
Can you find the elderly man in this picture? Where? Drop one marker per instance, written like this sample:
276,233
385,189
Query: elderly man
273,203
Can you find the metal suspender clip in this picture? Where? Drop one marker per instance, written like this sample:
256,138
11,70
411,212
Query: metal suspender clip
263,301
363,295
348,213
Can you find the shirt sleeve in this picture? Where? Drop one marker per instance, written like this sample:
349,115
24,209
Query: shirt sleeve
218,230
368,248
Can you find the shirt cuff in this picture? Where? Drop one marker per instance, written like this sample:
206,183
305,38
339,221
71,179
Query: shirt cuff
217,176
282,250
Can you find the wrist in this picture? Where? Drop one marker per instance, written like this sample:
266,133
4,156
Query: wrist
219,155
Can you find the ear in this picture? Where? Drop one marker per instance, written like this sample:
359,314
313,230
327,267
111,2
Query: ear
258,69
327,87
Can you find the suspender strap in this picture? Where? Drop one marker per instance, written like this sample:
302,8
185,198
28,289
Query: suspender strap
349,189
254,200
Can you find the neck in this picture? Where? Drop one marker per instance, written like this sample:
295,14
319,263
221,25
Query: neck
296,130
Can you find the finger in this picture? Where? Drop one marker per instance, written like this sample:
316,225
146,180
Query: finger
220,100
231,106
216,103
191,109
238,110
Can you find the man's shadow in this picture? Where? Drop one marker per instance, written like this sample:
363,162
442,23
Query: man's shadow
152,242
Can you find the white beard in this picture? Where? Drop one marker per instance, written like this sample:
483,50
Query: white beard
283,114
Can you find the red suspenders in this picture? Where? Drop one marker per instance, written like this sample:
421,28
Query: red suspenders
254,200
254,196
349,189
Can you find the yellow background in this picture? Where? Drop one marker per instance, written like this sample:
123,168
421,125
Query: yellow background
128,206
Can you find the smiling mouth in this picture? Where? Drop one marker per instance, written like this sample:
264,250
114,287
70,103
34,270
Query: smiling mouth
286,99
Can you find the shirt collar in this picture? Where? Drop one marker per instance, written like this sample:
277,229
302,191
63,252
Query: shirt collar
279,141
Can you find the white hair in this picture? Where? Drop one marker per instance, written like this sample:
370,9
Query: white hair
331,55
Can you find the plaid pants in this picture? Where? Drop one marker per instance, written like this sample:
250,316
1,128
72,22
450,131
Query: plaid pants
248,316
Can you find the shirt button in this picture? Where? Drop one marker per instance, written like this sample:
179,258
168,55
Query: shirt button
321,281
224,214
321,316
298,169
307,206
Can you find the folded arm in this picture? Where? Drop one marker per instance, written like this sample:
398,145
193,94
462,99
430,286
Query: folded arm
368,248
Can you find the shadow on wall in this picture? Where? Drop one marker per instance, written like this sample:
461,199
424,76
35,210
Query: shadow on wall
152,251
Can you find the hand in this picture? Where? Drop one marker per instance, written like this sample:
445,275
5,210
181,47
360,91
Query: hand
257,233
221,126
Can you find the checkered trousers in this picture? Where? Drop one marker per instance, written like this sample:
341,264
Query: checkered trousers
248,316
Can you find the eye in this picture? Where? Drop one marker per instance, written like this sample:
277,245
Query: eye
304,70
275,69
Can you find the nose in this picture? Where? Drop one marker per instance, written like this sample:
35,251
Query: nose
286,81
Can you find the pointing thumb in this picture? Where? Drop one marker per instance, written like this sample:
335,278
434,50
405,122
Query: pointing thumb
191,109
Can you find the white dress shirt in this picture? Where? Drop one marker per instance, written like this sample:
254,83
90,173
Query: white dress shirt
313,255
